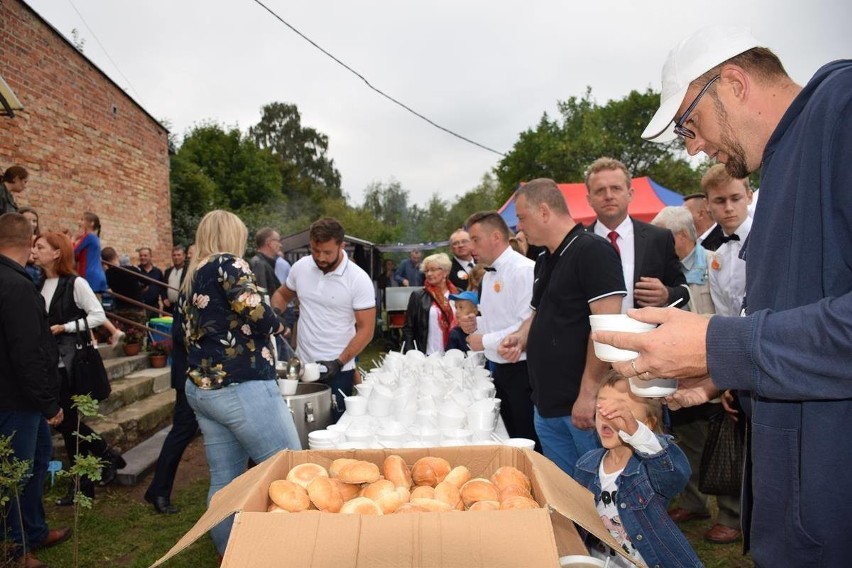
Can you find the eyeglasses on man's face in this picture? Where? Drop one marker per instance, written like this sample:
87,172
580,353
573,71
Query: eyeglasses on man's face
679,127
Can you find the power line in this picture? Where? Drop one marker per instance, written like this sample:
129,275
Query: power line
377,90
114,64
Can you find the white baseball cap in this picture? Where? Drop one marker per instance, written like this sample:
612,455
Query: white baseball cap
691,58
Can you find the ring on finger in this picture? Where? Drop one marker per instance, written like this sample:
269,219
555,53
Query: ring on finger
633,365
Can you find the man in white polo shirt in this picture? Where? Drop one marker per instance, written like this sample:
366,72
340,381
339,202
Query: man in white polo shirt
337,313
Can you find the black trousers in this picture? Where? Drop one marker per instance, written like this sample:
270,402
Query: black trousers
515,394
184,427
97,447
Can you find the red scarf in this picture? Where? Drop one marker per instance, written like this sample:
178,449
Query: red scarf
446,317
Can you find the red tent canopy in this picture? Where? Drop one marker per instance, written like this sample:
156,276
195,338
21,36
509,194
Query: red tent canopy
648,198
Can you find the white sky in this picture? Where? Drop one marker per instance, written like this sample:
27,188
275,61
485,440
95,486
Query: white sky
486,69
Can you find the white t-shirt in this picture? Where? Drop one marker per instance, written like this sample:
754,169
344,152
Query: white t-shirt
328,303
435,336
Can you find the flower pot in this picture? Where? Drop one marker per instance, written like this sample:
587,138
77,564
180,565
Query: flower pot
131,348
157,361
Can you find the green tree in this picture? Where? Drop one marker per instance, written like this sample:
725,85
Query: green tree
192,195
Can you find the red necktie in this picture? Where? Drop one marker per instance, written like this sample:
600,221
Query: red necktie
613,238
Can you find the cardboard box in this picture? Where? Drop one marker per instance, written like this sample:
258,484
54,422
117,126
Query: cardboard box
492,539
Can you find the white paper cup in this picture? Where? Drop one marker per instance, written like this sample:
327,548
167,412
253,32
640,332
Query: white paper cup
310,372
288,386
525,443
356,405
580,561
652,388
616,322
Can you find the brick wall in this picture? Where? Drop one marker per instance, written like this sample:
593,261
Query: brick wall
86,144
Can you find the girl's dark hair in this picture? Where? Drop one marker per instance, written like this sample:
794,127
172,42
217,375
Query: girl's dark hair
23,210
94,220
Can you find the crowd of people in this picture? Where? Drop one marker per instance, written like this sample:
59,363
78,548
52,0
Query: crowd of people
753,317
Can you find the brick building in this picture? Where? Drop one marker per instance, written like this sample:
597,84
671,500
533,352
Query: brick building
87,145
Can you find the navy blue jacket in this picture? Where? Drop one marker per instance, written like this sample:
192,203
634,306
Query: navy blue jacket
794,350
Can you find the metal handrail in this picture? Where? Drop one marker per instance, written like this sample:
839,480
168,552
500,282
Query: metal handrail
141,276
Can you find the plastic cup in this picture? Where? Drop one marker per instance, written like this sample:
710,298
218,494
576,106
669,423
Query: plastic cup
310,372
616,322
580,561
524,443
288,386
356,405
652,388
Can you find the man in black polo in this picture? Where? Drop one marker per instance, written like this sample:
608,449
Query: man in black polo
578,274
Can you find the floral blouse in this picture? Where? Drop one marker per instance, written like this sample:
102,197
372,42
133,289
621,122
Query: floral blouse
227,325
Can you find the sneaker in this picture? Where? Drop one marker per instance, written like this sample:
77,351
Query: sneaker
117,338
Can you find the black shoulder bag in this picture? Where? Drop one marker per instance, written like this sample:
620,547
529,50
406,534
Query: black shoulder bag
88,375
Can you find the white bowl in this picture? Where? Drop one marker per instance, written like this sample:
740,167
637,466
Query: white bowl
457,434
359,435
310,372
449,418
616,322
525,443
356,405
324,436
580,561
288,386
652,388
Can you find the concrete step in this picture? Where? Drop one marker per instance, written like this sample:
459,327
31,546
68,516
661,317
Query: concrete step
130,425
117,367
135,386
142,458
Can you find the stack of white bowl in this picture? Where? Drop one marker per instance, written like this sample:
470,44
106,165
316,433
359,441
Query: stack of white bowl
324,439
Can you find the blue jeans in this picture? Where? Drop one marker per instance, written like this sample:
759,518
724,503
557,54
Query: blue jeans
241,421
31,442
562,442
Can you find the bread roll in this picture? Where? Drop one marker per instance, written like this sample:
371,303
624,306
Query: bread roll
479,489
397,471
273,508
514,491
409,508
289,496
339,464
304,473
430,471
432,505
485,506
347,490
360,506
519,503
423,492
458,476
359,472
325,494
377,489
508,475
391,501
449,494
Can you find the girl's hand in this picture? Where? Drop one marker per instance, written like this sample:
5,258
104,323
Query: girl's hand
618,415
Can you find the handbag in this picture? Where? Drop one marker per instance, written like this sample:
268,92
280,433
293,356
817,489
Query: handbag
88,375
721,469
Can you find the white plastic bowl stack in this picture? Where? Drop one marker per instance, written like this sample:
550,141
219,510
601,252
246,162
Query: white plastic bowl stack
324,439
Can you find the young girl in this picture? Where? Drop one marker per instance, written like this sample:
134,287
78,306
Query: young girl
633,478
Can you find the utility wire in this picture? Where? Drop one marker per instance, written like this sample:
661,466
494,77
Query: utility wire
379,91
129,84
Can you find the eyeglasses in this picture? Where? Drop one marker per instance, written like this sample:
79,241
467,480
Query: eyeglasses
679,128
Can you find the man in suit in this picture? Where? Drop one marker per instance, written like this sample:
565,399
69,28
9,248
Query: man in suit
648,257
709,232
462,256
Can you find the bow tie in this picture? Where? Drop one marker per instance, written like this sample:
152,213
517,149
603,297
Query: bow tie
490,269
734,237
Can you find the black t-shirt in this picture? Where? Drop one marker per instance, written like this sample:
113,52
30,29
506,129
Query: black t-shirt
125,284
582,269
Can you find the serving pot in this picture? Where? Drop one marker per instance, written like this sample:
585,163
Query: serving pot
311,409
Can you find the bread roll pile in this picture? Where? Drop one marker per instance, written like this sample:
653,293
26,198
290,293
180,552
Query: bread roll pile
430,485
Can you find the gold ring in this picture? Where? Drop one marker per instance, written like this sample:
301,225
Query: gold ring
633,364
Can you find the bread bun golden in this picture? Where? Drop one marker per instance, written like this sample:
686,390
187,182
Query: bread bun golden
508,475
360,506
347,490
479,489
519,503
458,476
485,506
377,489
397,471
324,493
338,464
289,496
409,508
359,472
514,491
432,505
449,494
430,471
304,473
389,502
423,492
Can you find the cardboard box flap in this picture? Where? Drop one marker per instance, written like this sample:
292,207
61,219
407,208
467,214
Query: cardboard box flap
470,539
570,499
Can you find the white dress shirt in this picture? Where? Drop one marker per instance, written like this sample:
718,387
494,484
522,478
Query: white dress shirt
504,301
628,255
703,236
728,274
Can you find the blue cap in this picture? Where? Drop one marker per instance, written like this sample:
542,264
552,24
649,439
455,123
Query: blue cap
468,295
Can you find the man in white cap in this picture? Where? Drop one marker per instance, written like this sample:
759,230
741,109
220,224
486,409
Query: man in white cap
732,100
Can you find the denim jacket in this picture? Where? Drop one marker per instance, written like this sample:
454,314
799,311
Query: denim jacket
645,488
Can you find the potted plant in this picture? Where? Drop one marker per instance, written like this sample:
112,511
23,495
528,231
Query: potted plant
132,341
159,353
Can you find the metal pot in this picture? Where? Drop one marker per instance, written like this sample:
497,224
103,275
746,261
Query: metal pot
311,409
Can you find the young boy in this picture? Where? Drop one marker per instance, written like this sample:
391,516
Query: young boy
466,304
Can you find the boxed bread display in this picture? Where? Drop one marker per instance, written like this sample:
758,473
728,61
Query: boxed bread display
401,508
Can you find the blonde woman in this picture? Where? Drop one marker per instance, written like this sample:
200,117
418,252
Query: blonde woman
429,317
231,382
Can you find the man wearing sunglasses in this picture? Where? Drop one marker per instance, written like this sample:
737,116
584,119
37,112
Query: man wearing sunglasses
790,354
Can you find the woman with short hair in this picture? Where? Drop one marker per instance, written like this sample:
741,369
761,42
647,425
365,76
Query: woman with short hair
429,317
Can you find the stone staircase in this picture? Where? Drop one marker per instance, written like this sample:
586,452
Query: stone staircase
137,413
